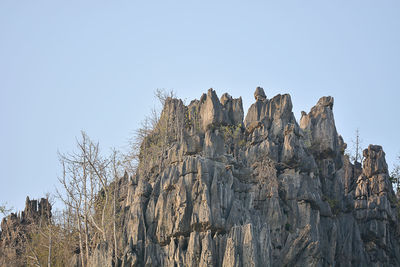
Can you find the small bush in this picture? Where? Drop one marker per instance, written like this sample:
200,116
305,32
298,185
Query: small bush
334,205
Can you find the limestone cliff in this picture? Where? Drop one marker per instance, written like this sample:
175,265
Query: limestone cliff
216,189
213,188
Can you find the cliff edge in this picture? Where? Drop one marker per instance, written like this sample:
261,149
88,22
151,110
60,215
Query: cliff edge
216,189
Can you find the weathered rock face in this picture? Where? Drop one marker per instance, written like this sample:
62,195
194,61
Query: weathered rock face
214,112
375,207
15,227
214,190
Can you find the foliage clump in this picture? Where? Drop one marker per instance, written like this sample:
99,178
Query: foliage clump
333,204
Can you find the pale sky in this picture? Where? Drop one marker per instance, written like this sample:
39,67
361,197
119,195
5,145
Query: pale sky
67,66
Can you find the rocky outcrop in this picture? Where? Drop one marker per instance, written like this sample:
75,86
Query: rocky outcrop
375,208
263,191
214,112
319,127
15,229
213,188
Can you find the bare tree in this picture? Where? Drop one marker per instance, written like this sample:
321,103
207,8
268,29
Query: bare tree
84,176
162,95
72,198
395,176
116,164
137,143
4,209
356,154
89,183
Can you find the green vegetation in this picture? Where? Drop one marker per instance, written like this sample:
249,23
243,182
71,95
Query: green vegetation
307,138
192,119
233,134
333,204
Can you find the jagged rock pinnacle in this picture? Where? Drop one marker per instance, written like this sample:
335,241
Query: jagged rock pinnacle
259,94
326,101
263,192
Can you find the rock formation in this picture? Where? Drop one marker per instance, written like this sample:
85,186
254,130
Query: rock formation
259,191
15,227
213,188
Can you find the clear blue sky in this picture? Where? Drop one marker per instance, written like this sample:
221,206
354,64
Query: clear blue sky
67,66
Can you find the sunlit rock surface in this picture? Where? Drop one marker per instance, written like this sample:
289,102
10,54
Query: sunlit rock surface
216,189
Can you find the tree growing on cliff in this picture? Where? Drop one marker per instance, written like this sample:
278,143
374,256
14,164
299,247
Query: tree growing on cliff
356,151
4,209
395,176
138,142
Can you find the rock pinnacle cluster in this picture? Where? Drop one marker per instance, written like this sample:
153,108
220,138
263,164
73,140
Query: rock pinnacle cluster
263,190
215,188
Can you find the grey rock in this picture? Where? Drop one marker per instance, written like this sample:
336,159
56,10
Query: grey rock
319,129
233,109
265,191
259,94
211,111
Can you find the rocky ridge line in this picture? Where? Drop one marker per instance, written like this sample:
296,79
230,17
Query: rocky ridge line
215,188
259,191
